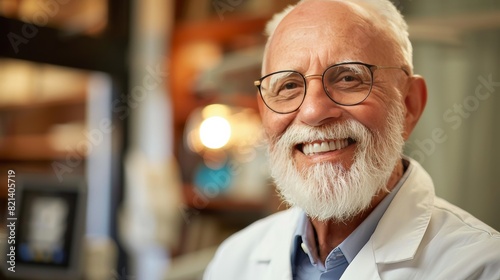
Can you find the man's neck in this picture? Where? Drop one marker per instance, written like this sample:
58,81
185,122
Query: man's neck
329,234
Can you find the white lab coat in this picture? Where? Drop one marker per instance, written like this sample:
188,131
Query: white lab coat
420,236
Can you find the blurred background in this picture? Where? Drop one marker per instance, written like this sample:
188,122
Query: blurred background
130,134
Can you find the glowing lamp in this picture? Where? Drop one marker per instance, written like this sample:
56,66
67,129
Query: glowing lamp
215,132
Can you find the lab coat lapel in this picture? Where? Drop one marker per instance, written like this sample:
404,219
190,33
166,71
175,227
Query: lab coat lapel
272,255
401,229
363,266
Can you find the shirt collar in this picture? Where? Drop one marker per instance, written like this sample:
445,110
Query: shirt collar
351,246
304,240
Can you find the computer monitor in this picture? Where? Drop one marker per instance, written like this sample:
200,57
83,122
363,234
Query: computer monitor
49,229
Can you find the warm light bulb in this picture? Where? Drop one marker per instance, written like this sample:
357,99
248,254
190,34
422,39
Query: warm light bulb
215,132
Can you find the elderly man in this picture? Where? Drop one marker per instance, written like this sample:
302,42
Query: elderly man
338,98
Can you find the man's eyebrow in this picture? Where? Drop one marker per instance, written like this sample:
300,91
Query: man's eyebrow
277,76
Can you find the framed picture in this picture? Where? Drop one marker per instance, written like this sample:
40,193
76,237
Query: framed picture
50,223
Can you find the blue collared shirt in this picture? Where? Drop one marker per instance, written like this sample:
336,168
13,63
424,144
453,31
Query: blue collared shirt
306,263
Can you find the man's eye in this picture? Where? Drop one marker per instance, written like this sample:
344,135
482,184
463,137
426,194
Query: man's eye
289,90
289,86
349,79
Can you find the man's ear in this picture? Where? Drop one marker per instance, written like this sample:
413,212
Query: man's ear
414,100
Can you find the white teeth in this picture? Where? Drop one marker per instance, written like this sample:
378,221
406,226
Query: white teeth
306,149
333,147
316,148
325,146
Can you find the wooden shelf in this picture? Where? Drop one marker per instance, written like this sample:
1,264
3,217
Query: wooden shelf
26,134
74,99
194,198
29,147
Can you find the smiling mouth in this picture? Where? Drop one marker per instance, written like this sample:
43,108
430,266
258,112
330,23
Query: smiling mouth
319,147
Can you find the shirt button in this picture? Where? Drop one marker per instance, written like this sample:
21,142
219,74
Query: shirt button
304,248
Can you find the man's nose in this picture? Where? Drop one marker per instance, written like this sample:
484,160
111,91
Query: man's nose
317,108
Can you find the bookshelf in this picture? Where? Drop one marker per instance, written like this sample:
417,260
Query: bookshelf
40,116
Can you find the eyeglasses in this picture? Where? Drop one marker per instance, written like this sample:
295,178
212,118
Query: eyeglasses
348,84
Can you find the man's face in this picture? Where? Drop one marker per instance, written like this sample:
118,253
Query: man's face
314,36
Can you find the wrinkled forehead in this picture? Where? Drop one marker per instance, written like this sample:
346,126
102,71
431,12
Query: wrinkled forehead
332,31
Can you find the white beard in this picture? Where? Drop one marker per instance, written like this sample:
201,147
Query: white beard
328,190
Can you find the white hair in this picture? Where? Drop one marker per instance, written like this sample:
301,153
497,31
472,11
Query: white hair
384,9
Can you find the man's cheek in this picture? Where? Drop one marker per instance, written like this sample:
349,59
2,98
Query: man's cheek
271,130
277,125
